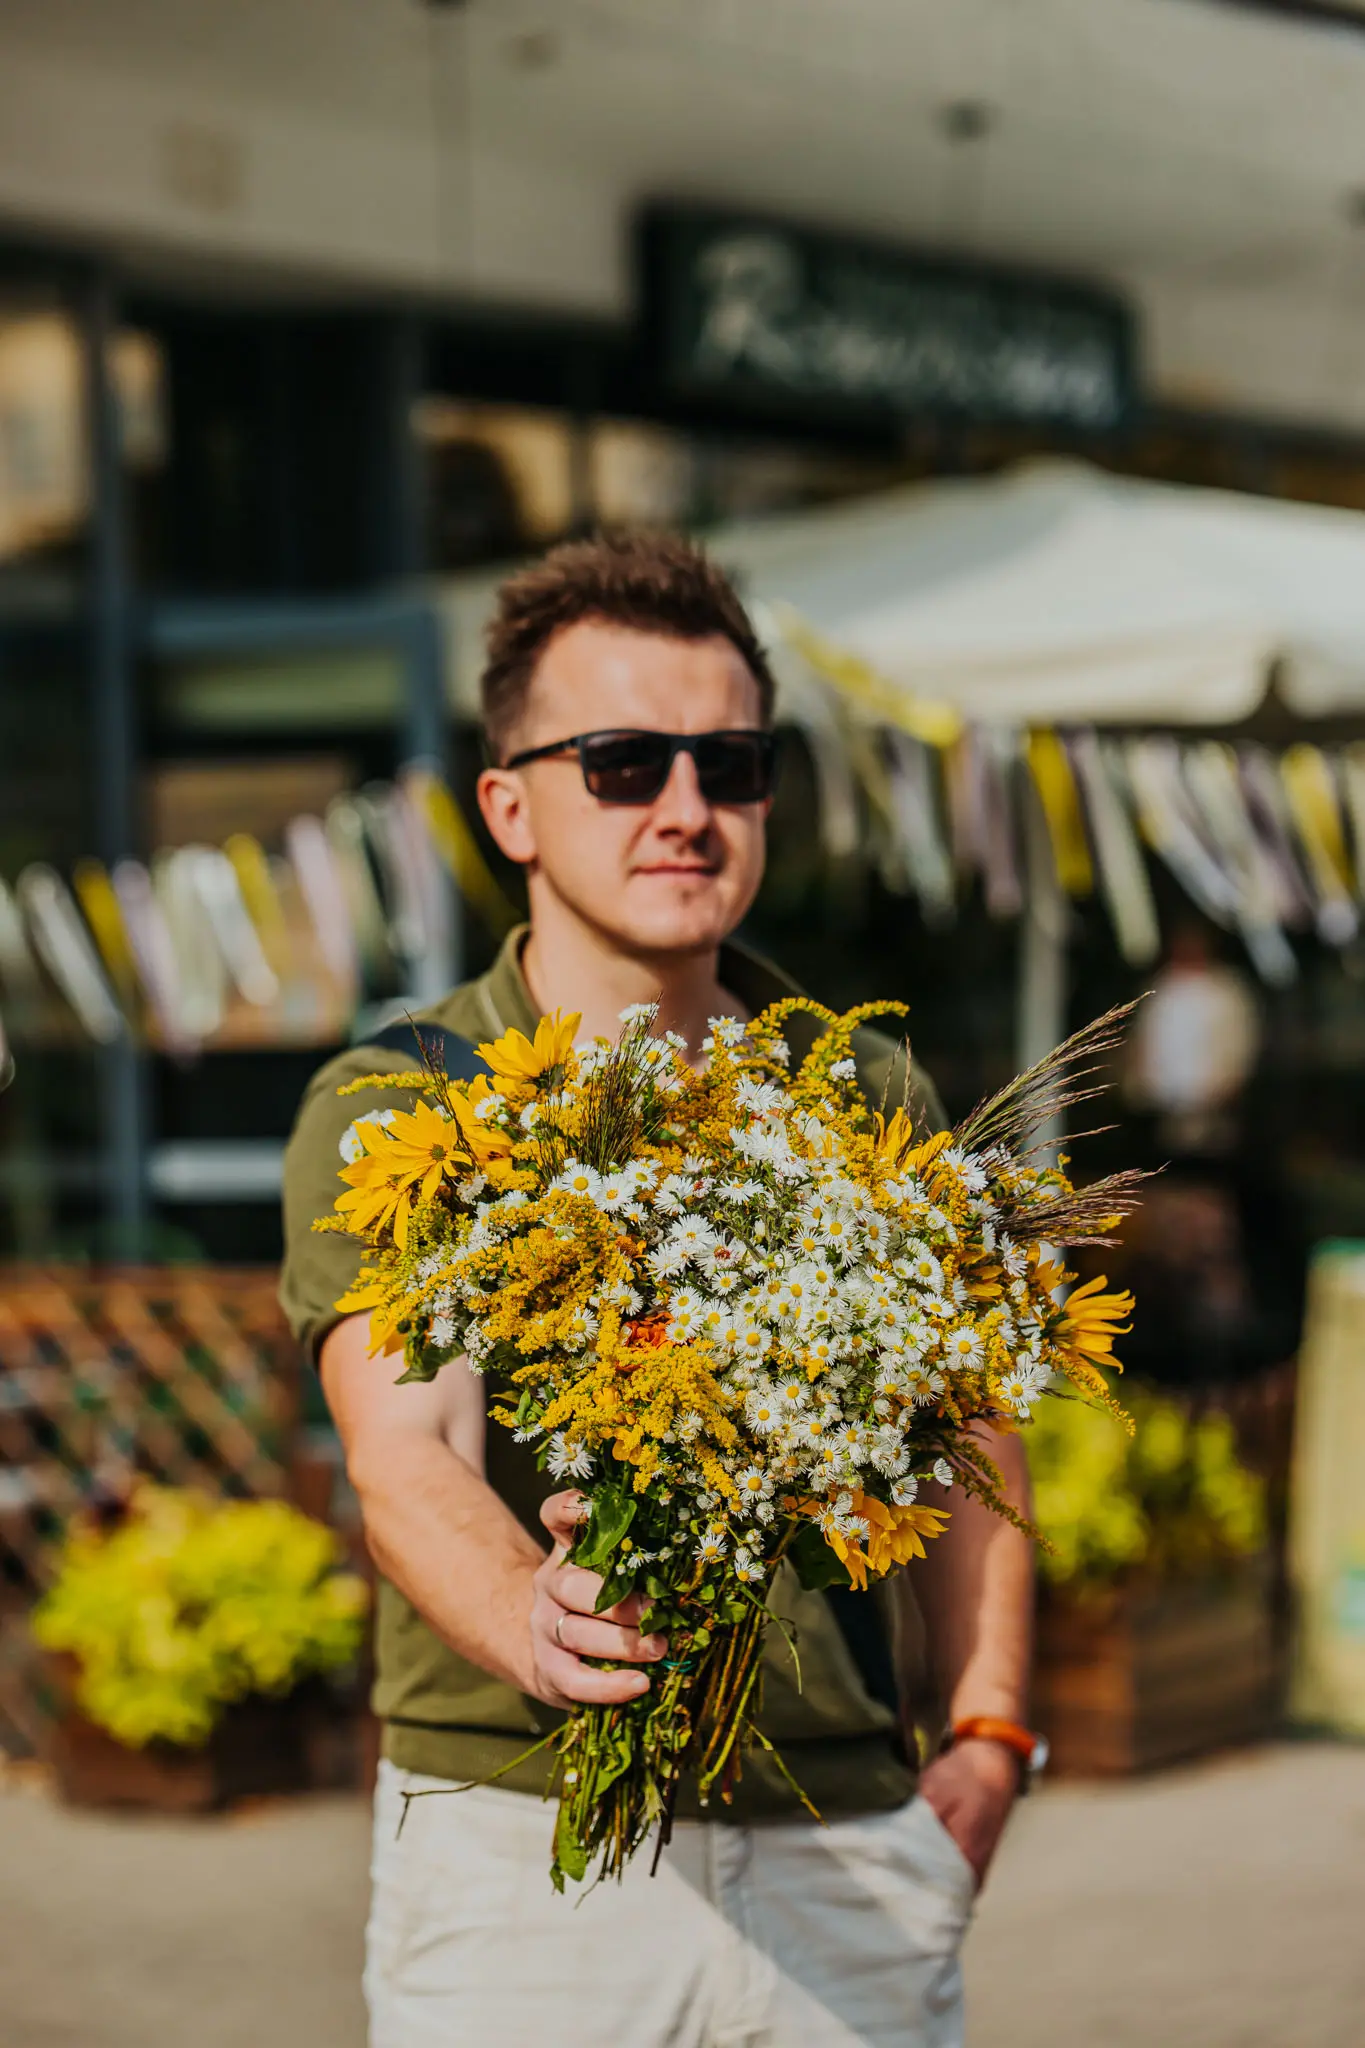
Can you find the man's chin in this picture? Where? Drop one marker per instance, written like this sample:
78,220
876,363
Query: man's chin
675,923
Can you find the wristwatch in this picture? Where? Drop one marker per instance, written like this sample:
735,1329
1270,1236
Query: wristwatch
1030,1748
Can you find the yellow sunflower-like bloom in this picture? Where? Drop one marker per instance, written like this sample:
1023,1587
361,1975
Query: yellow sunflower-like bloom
897,1151
1087,1326
518,1062
404,1160
894,1536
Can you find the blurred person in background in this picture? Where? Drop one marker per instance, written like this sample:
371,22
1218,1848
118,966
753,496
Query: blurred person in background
628,706
1210,1256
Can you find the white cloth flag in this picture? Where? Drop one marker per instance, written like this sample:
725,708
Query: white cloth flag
914,800
1170,829
1124,881
1216,789
66,950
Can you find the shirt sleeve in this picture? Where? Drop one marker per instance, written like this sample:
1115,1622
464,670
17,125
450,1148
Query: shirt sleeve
320,1266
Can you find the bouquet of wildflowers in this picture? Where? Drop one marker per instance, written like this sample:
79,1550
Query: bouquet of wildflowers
744,1312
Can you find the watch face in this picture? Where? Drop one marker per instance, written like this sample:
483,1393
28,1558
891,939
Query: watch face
1039,1754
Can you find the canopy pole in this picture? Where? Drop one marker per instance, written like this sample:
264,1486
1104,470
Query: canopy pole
113,715
1040,1018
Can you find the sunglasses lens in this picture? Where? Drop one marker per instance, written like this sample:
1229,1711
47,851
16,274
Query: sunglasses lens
626,767
632,767
735,767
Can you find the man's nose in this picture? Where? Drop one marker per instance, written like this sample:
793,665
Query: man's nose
680,805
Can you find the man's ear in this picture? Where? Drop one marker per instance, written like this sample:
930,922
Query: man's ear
502,799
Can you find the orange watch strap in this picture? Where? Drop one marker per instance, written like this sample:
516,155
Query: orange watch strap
987,1728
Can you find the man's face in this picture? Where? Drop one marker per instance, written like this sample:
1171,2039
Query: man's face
672,876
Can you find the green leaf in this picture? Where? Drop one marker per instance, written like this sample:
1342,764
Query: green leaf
615,1586
571,1857
817,1567
423,1363
613,1511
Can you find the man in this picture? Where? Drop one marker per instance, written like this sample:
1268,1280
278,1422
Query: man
642,847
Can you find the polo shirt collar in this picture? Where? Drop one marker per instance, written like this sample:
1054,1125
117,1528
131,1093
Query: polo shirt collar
506,1000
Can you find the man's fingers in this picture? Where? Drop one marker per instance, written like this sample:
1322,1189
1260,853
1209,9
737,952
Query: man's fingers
595,1636
573,1587
562,1515
586,1685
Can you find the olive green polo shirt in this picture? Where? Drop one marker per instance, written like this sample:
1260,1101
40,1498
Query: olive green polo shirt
445,1716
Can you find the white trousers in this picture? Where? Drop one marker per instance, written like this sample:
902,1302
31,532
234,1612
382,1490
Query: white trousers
784,1936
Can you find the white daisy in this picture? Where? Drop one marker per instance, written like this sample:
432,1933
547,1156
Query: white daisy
577,1179
350,1147
962,1347
568,1460
754,1485
924,1384
692,1235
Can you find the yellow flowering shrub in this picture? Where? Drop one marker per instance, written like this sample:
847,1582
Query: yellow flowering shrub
190,1604
1169,1500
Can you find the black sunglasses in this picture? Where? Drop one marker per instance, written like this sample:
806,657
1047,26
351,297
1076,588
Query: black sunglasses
632,767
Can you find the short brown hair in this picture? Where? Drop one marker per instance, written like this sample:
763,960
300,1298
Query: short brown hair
652,582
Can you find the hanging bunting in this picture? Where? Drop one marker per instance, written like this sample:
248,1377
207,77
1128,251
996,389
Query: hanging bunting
324,893
459,849
1215,788
153,953
919,826
214,880
252,869
347,838
19,974
1124,884
1052,777
1352,766
1312,798
200,978
999,769
1170,829
1268,808
100,908
65,948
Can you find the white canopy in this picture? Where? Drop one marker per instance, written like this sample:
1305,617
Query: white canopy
1057,592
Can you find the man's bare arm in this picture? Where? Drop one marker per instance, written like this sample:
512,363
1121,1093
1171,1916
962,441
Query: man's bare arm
438,1532
975,1590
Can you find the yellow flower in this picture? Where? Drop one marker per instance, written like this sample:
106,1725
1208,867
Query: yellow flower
896,1148
1087,1326
894,1536
518,1062
411,1155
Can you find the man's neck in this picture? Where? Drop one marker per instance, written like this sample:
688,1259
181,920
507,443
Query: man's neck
568,966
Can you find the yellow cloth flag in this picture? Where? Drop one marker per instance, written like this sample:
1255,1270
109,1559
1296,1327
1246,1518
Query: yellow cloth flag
260,896
459,850
1056,786
100,905
1312,797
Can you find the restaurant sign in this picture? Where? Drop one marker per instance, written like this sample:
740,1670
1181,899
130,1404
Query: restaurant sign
792,319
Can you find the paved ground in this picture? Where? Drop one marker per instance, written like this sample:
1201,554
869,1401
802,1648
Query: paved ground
1222,1907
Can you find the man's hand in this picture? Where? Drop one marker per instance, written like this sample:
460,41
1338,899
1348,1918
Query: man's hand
972,1788
437,1530
566,1628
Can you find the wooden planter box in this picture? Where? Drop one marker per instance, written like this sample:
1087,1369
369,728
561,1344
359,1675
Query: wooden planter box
259,1747
310,1742
1148,1676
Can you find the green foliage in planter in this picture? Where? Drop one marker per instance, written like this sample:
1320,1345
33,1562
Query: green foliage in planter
1170,1501
190,1604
